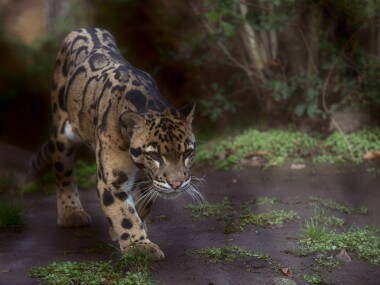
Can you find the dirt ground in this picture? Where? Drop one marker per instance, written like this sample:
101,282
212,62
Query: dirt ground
171,226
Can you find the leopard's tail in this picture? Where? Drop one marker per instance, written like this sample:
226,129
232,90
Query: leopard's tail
40,163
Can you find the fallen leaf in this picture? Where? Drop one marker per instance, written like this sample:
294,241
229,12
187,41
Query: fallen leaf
256,153
297,166
371,155
343,256
286,271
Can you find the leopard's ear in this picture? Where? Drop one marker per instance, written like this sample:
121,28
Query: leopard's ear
188,112
130,121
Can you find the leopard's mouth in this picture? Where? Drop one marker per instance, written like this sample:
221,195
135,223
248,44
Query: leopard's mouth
164,190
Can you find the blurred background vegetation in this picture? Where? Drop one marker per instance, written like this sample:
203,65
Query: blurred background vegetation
247,62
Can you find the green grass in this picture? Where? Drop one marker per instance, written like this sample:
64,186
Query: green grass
98,272
328,203
270,218
360,142
280,146
328,263
331,221
364,242
11,215
228,253
261,201
84,174
209,210
45,184
236,217
313,279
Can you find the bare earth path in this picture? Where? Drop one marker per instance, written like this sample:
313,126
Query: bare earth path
171,226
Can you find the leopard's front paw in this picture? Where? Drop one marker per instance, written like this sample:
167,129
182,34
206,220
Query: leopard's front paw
146,246
75,218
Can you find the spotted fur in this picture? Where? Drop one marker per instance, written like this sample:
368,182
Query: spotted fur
102,101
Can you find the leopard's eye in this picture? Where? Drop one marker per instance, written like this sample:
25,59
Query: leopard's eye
153,155
187,153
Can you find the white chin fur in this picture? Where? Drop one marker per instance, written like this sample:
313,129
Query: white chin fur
169,195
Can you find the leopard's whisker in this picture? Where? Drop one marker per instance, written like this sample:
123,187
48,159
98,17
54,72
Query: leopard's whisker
197,196
144,195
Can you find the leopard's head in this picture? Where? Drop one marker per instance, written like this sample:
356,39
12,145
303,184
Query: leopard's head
163,147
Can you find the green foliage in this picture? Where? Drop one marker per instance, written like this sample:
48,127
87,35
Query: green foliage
11,215
45,184
327,262
135,261
67,273
328,203
278,146
209,210
260,201
313,279
223,16
236,217
358,144
270,218
363,241
228,253
217,105
310,85
335,45
85,174
331,221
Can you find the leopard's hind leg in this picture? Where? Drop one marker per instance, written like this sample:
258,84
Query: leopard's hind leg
63,144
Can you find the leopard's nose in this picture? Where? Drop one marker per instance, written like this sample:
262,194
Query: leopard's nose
175,184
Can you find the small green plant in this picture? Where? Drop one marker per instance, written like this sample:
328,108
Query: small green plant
260,201
218,104
11,215
85,174
209,210
351,147
270,218
328,263
312,86
328,203
231,227
61,273
279,146
363,241
313,279
275,145
136,260
228,253
314,230
45,184
331,221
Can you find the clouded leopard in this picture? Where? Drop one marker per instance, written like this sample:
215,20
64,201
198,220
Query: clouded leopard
102,101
